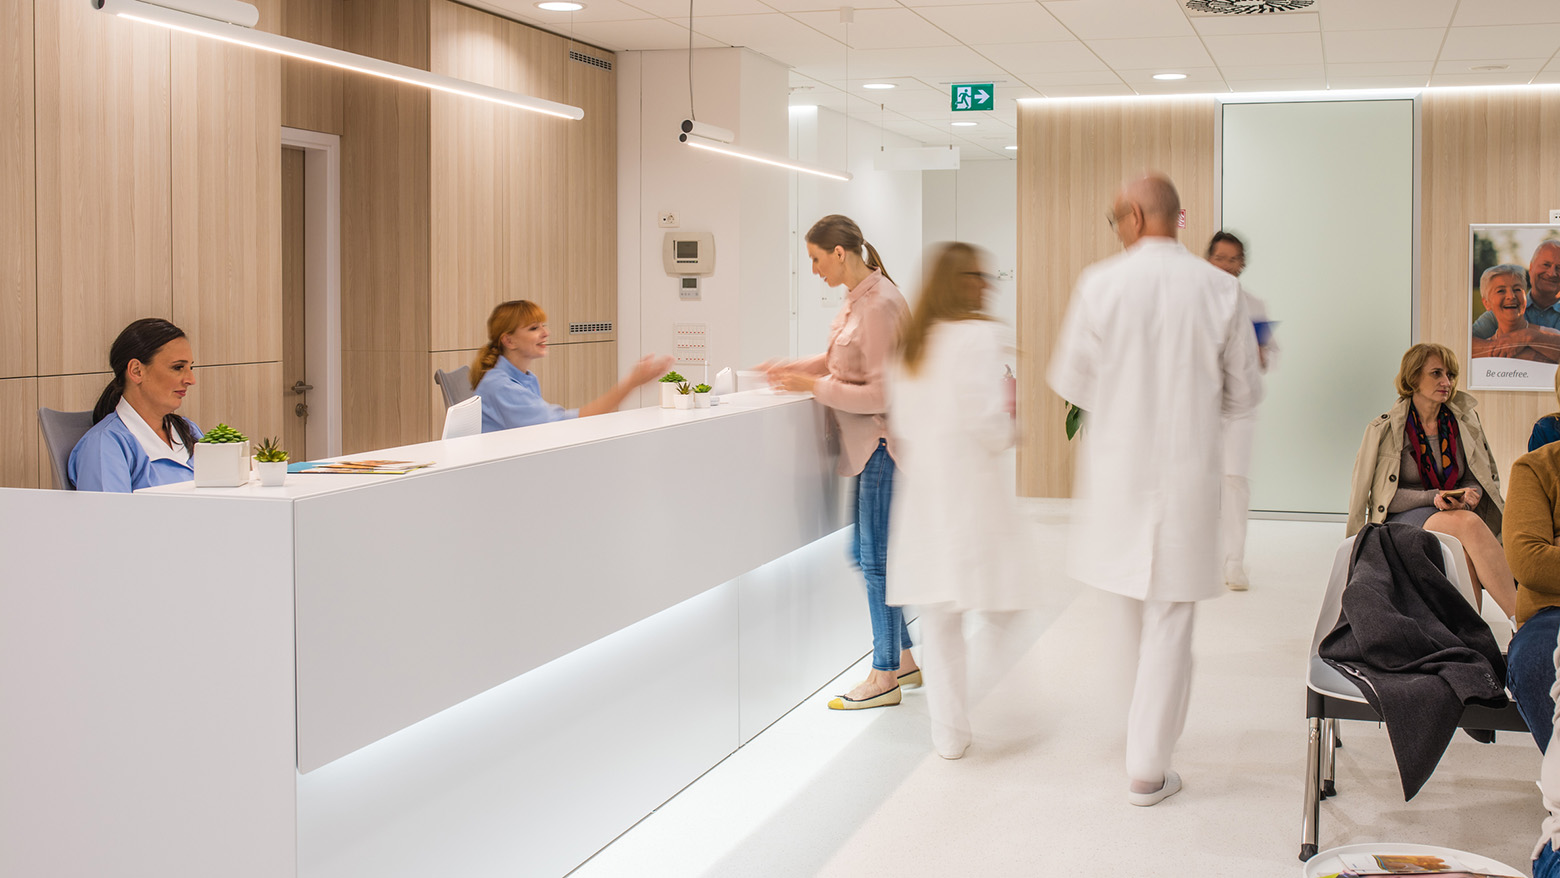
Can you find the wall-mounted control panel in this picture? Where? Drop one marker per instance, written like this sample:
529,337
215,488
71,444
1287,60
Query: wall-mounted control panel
689,254
688,289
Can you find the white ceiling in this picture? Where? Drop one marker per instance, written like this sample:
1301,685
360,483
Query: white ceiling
1073,48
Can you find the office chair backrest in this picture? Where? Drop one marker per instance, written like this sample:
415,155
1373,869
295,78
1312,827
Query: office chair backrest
455,384
464,418
61,432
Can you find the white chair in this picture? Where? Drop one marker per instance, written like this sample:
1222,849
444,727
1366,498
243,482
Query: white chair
455,384
464,418
1331,696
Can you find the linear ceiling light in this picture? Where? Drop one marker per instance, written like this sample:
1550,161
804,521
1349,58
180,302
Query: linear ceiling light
714,139
223,20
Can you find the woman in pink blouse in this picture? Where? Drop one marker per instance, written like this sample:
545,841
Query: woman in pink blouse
849,380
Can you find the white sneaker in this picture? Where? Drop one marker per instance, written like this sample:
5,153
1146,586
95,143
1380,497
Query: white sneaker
1171,786
1235,578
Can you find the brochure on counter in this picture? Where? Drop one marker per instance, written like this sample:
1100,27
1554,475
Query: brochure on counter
358,467
1371,865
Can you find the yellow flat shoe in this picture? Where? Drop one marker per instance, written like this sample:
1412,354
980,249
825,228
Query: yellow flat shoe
910,678
886,699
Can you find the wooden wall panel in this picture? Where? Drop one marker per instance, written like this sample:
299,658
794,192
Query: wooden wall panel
20,437
103,184
387,404
227,213
574,374
592,202
1468,177
1072,158
312,93
65,393
18,232
246,397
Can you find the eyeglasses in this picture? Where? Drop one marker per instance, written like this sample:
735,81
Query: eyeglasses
1113,217
983,275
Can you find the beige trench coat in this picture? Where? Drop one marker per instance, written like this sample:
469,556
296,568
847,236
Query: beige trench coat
1376,466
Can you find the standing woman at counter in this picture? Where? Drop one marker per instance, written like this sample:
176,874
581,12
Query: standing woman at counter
511,396
137,441
849,379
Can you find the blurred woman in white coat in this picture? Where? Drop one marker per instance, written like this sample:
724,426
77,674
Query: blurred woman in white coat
953,528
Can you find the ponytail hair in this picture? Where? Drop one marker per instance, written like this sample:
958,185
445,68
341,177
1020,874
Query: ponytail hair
506,318
944,297
141,341
835,230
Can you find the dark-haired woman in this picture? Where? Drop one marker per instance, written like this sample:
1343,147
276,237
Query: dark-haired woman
137,441
511,396
849,379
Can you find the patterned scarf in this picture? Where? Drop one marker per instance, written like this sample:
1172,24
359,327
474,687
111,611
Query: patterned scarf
1439,470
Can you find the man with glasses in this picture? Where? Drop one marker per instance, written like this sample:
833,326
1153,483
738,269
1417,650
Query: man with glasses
1157,347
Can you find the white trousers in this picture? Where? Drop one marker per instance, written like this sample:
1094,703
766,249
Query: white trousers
1156,643
944,667
1236,501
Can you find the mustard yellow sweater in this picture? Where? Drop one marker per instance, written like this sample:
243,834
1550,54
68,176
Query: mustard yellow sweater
1532,529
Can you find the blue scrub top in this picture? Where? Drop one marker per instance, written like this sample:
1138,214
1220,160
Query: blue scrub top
110,458
512,398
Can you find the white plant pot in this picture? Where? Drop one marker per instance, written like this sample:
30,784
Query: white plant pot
701,400
221,465
669,395
683,401
272,474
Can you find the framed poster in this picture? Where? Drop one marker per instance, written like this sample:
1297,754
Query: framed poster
1514,331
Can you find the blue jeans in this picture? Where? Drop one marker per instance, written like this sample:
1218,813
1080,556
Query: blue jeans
874,492
1530,671
1548,863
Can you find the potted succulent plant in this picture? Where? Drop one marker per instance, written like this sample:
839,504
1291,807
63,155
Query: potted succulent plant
669,383
271,463
684,398
222,458
701,396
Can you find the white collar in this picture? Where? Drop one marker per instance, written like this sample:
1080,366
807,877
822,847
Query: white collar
151,443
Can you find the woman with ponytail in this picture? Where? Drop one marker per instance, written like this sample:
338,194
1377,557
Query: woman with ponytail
501,373
137,441
849,379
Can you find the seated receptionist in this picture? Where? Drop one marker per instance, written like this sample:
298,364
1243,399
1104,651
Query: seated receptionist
501,373
137,440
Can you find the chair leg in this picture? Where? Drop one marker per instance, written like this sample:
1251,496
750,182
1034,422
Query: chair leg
1313,799
1329,758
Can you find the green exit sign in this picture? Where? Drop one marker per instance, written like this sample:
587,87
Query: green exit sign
980,96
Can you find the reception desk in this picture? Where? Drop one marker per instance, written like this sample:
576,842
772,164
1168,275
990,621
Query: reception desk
492,666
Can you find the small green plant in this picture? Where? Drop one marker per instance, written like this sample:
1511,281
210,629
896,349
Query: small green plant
702,388
1074,420
684,388
270,452
672,378
222,434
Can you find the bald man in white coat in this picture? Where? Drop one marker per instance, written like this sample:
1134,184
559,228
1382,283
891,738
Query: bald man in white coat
1156,348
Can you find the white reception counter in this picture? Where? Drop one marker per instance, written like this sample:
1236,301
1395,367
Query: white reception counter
489,667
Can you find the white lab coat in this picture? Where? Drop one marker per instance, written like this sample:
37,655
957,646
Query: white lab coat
953,529
1156,347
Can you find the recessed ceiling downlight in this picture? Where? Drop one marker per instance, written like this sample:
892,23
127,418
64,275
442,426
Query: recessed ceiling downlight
1010,147
560,6
1245,7
1169,76
1490,68
878,85
964,124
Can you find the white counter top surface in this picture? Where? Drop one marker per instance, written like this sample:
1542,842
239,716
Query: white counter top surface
490,447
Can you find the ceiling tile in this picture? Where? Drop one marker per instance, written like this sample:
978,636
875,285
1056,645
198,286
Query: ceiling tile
1121,19
1266,49
1179,87
1548,76
653,33
826,6
1042,80
771,33
1387,14
1359,46
1273,71
1347,82
935,63
1318,83
1167,52
1382,68
1087,91
1135,78
996,22
878,29
1471,13
1512,65
677,10
1512,41
1026,58
1503,78
1233,25
558,22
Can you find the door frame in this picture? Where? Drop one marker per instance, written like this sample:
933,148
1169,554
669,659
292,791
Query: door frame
321,283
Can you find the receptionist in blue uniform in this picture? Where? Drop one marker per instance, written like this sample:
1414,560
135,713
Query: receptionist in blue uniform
137,440
501,373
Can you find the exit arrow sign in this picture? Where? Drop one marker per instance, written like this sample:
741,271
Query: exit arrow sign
979,96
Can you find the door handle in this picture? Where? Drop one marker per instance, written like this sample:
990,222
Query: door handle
301,388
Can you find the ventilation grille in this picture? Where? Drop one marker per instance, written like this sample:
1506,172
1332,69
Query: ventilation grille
1245,7
607,65
589,327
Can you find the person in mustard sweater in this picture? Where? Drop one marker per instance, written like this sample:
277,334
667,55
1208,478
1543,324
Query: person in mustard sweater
1531,523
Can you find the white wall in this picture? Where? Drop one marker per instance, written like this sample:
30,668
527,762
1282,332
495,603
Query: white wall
885,204
978,204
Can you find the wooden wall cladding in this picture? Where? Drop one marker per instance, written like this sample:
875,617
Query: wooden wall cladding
1469,176
247,397
18,232
103,181
386,404
1073,156
227,214
312,93
20,436
592,203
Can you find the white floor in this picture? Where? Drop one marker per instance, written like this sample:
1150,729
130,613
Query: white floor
1041,791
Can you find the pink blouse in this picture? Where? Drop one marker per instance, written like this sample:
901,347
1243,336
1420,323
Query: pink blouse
863,338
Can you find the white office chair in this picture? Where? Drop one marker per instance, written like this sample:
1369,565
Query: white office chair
464,418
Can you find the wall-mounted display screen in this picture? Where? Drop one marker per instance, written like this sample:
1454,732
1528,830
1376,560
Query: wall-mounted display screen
687,250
